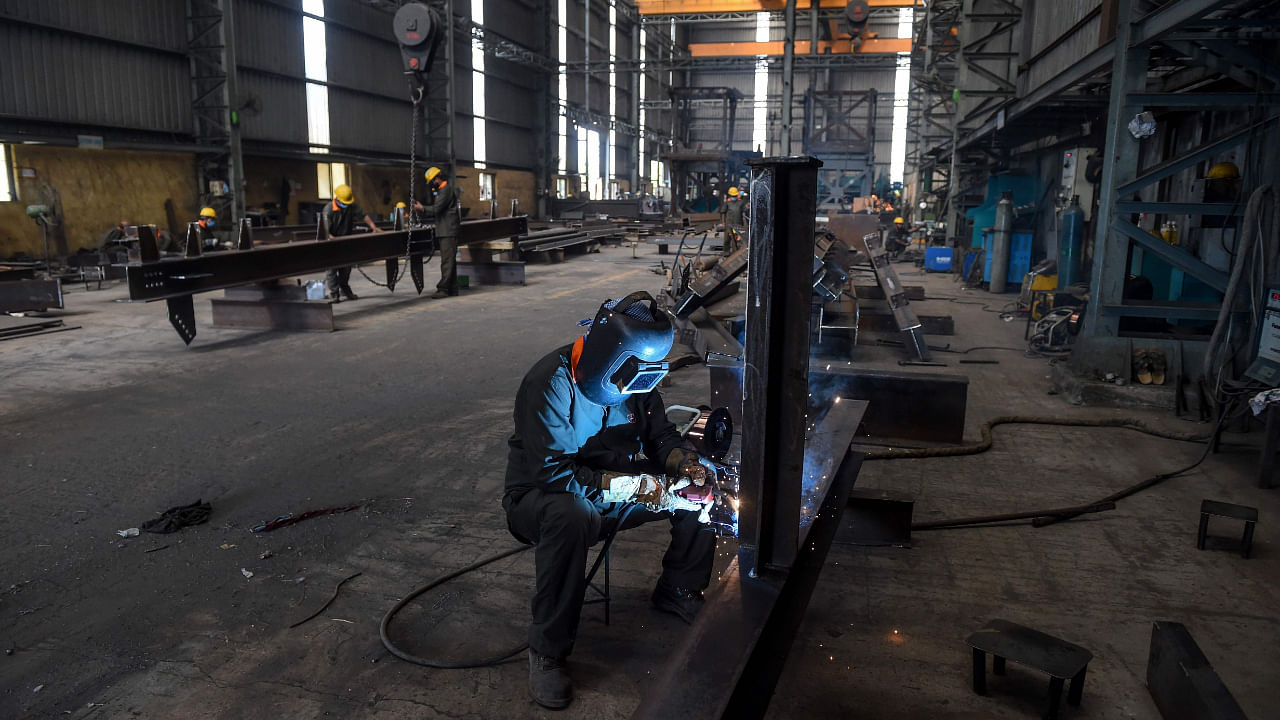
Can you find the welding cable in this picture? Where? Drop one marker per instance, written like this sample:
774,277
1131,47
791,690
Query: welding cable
1042,518
985,444
496,659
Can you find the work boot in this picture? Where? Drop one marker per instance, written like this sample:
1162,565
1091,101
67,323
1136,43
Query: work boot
348,294
549,682
335,296
440,294
681,602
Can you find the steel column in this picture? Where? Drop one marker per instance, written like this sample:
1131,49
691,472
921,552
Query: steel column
1111,253
775,380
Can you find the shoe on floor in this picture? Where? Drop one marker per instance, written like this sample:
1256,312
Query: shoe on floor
549,682
1142,366
440,294
335,297
681,602
348,295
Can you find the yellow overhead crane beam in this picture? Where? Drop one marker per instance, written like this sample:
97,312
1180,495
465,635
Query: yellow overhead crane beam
693,7
837,47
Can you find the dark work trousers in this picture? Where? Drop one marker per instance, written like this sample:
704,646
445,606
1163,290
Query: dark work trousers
563,526
337,279
448,248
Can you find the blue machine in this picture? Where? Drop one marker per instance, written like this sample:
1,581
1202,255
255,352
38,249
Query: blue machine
1019,256
1026,191
938,259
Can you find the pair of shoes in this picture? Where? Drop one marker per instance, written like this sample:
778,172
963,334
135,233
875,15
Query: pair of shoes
441,294
347,294
1149,365
549,682
681,602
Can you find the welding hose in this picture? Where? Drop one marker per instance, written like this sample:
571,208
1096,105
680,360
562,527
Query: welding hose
984,444
496,659
1041,518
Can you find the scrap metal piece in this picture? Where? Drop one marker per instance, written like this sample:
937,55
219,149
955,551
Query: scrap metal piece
846,228
24,295
194,241
182,315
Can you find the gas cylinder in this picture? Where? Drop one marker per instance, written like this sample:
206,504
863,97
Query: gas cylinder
1070,244
1000,240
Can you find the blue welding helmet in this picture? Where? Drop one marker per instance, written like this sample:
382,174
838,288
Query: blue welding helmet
624,351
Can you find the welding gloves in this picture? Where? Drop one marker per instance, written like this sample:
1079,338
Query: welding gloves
655,492
683,463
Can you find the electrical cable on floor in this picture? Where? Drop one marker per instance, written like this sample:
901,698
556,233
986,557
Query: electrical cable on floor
1041,518
496,659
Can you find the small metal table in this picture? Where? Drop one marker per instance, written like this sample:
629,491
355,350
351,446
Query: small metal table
1229,510
1009,641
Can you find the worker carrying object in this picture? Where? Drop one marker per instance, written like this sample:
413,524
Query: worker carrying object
340,218
445,212
589,422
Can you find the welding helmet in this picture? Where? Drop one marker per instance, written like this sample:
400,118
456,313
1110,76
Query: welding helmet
623,352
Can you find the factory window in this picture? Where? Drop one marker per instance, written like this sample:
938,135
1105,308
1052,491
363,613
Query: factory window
315,56
328,177
760,124
8,189
901,98
641,165
613,94
480,150
562,187
562,85
486,186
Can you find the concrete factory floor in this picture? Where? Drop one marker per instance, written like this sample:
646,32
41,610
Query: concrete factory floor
406,411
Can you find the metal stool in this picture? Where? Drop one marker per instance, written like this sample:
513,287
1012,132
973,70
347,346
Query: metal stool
1222,509
1009,641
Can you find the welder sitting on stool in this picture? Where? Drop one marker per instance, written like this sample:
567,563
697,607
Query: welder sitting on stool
445,212
899,237
340,218
588,419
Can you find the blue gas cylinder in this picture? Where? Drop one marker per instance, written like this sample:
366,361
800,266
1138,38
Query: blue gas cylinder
1070,244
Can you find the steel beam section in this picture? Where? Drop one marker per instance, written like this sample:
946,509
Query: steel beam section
1167,18
731,658
1172,311
775,386
1181,679
178,277
30,294
1180,208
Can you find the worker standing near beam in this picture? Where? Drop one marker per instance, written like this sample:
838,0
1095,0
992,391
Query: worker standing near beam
733,215
340,218
445,211
587,421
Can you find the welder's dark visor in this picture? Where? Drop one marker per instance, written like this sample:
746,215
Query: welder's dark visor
637,376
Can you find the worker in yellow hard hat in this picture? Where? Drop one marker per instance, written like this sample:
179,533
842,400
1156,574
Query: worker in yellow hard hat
445,213
899,237
731,214
341,216
205,223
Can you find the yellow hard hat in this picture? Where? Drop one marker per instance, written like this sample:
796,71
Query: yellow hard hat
432,173
1224,171
343,194
401,205
208,213
898,221
733,192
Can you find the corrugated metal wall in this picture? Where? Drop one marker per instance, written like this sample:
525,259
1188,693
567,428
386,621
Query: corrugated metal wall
91,63
1049,20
